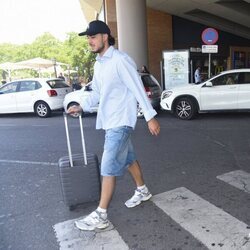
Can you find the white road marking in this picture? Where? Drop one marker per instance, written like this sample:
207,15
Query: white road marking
29,162
212,226
239,179
8,125
71,238
17,125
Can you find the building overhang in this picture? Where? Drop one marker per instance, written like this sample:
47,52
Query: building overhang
227,15
91,9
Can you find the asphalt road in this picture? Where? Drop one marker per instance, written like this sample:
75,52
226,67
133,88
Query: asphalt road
188,154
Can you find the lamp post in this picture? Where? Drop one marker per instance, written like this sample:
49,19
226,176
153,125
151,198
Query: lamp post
54,63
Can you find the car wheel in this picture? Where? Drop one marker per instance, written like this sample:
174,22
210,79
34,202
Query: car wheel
185,108
42,109
74,104
140,113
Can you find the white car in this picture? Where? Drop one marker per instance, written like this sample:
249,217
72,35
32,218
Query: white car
227,91
151,86
39,95
75,97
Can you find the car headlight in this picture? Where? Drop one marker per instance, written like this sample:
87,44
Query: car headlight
166,94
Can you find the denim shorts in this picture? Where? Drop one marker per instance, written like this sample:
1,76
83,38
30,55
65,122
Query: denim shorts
118,151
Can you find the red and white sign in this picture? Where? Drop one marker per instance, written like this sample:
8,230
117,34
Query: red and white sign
210,36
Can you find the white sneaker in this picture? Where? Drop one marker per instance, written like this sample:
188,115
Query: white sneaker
138,197
94,220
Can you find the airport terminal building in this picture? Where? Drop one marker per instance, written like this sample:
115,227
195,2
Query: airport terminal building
147,28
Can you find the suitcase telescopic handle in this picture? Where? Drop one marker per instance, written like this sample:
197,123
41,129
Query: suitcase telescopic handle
68,140
83,141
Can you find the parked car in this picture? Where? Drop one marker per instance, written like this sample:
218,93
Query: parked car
153,91
75,97
151,85
227,91
39,95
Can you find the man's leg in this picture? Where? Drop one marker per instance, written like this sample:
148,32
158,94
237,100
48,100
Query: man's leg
135,171
112,162
98,218
108,187
141,192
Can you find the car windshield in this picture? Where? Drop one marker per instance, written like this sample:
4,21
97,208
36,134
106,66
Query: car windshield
56,84
148,81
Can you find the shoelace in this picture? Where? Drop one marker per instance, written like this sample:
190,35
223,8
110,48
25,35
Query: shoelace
96,216
138,194
141,191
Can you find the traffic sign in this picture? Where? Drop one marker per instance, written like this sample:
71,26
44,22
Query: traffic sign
209,36
209,48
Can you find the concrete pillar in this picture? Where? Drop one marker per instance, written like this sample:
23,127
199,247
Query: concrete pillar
132,29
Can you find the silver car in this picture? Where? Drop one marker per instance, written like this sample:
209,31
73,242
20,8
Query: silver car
153,91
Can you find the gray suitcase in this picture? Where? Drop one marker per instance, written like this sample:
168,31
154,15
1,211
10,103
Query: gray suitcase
79,174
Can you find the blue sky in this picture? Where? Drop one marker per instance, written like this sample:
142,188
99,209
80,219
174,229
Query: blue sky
21,21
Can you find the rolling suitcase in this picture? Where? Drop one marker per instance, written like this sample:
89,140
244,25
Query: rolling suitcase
79,174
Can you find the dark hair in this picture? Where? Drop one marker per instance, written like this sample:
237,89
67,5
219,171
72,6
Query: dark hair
111,40
144,69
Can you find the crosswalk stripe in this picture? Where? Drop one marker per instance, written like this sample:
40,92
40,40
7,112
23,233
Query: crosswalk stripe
71,238
239,179
212,226
29,162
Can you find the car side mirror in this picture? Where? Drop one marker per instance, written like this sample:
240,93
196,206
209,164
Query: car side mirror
209,84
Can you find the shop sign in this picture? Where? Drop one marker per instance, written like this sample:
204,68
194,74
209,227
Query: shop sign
193,49
176,68
209,48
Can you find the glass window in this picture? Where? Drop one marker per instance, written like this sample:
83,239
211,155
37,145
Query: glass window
244,78
38,85
9,88
148,81
56,84
218,81
239,59
27,86
227,79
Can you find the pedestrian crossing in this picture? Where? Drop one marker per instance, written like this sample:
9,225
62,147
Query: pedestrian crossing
70,238
239,179
210,225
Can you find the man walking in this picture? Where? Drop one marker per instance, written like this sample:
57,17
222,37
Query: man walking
117,87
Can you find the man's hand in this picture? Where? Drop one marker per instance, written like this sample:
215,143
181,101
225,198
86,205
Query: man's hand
154,126
74,110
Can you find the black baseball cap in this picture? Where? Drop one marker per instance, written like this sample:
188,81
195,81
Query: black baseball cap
96,27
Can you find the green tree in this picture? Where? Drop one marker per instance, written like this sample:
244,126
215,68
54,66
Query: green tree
46,46
80,56
8,52
73,51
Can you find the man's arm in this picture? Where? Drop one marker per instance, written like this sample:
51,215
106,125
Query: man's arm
130,77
